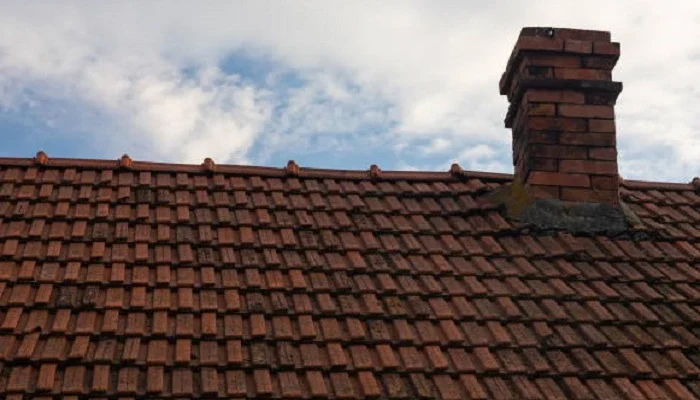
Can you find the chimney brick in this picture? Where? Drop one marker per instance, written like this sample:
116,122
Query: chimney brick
562,96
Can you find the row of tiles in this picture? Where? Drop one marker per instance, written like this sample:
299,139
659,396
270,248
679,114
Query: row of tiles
278,200
486,304
22,282
417,235
271,268
181,203
234,207
19,218
262,383
556,333
290,184
507,259
355,232
666,213
381,293
331,230
682,205
165,217
103,217
145,179
358,355
426,282
661,198
205,225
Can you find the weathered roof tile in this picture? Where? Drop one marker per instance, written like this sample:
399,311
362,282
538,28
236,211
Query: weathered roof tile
355,289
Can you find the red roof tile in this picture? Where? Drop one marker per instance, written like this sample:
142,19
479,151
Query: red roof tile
185,281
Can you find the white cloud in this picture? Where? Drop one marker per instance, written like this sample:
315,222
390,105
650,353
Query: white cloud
482,157
416,73
438,145
153,108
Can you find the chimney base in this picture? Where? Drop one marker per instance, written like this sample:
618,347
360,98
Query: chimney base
552,214
531,206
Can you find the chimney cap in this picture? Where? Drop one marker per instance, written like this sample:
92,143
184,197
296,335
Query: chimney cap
566,33
538,41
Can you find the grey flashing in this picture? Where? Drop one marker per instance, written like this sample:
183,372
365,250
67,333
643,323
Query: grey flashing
550,214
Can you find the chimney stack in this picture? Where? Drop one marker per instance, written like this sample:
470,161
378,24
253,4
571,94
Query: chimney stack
561,93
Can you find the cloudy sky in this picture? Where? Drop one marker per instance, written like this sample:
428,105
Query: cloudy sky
337,84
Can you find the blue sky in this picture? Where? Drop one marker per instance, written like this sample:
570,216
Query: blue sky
331,84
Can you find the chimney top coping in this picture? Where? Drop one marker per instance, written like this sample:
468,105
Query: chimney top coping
566,33
552,40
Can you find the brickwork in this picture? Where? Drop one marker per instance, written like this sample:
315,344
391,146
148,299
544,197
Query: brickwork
559,82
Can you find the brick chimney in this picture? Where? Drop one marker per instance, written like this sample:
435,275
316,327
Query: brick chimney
559,85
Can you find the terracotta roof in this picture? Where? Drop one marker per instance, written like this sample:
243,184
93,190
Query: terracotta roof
124,279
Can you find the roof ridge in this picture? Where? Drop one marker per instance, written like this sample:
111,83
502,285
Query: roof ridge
125,162
454,173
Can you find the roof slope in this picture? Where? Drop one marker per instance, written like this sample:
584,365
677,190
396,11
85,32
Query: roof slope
247,282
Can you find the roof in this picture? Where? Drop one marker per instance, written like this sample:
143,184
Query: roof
132,280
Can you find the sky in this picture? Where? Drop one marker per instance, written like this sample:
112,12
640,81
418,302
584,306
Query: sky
331,84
